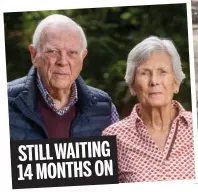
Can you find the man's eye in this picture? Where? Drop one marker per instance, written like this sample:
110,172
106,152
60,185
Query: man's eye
52,51
72,53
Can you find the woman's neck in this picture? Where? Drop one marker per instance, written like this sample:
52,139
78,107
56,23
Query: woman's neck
158,118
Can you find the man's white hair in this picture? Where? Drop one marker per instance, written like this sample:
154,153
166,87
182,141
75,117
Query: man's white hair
142,51
53,20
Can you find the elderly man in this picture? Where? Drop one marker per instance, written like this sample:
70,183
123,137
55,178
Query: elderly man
53,101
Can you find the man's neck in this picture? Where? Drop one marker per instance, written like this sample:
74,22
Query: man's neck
60,97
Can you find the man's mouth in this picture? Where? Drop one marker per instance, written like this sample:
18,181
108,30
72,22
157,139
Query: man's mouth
62,73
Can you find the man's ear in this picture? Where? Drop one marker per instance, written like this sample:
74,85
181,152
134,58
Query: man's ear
33,53
84,54
132,91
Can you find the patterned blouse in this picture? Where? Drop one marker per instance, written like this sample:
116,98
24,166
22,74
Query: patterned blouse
139,159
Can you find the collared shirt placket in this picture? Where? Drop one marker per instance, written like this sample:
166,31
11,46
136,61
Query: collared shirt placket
164,164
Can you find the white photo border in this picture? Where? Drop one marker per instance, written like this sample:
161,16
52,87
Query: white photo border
36,5
192,82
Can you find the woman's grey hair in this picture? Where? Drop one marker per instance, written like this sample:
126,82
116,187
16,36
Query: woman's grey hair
142,51
57,19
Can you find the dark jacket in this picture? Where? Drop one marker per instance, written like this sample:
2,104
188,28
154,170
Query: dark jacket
93,110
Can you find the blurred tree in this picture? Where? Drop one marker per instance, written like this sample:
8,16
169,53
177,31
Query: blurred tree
111,34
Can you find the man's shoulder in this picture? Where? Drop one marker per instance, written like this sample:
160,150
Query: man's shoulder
98,92
16,86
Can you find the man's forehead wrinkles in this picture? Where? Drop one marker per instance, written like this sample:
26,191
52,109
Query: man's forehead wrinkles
60,42
60,30
62,46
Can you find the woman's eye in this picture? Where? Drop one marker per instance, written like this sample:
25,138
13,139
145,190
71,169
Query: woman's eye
163,72
144,73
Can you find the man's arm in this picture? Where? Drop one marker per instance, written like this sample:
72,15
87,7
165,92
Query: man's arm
114,114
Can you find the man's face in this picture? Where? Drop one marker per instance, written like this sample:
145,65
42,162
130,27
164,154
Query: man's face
60,58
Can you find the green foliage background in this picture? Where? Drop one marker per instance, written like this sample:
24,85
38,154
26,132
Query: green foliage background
111,33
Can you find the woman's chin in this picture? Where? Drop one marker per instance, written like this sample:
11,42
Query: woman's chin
157,103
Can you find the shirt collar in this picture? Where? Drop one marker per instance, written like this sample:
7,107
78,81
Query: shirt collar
182,113
48,99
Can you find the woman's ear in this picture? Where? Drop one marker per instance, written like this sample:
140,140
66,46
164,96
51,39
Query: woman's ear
132,91
176,87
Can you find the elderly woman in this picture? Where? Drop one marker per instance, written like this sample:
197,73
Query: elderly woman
156,141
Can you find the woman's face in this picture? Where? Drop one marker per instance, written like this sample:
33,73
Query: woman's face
154,82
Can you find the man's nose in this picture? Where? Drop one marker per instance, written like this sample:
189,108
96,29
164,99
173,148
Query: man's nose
63,58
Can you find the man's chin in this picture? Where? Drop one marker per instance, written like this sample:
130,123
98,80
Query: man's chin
61,85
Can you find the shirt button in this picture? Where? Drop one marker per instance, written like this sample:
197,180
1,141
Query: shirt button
163,163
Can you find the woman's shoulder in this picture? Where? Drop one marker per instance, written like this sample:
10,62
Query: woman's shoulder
185,113
118,127
182,112
188,116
